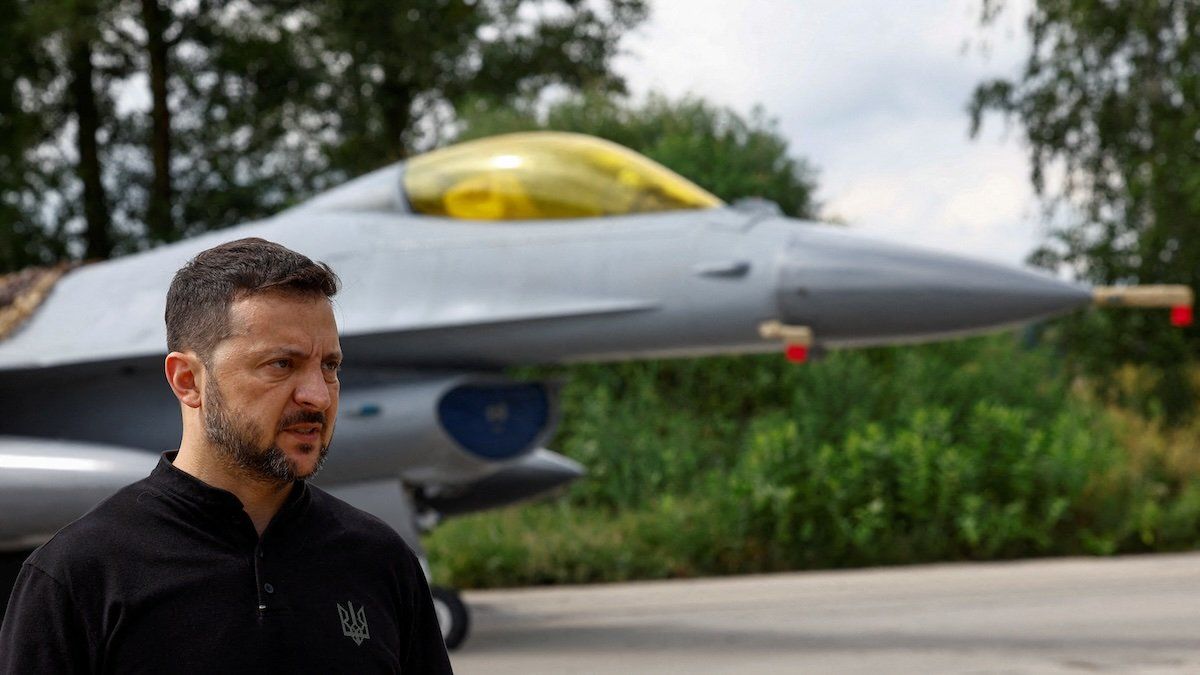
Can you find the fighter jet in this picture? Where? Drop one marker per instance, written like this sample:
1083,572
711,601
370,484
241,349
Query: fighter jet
533,248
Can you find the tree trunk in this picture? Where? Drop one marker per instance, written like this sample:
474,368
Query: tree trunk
95,203
396,104
158,216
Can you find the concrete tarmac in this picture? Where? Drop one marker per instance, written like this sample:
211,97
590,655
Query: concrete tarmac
1137,614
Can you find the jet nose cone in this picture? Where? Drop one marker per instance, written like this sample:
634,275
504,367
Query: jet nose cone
856,292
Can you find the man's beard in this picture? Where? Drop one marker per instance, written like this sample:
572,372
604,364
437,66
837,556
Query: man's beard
237,441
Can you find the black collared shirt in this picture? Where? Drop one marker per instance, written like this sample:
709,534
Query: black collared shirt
169,575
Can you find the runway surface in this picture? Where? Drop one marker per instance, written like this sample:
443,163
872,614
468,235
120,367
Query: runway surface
1114,615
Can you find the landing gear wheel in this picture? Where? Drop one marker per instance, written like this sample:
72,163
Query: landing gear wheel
452,615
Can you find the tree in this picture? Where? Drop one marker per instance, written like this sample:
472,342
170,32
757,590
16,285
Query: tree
1110,99
20,243
730,155
85,109
252,106
406,73
55,181
158,213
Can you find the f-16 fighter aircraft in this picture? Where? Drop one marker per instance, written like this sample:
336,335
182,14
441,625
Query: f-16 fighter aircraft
519,249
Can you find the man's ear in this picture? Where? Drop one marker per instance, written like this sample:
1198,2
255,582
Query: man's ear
185,373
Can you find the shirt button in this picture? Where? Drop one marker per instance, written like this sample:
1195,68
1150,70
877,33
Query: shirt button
268,588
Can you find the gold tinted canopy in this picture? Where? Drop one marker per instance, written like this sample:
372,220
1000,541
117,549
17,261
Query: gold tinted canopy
545,174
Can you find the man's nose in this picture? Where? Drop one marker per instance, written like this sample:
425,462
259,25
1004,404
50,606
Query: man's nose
312,391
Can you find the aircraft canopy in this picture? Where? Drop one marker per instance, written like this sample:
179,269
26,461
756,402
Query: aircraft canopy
545,175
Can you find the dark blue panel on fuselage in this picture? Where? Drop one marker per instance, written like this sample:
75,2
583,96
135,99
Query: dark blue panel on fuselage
495,421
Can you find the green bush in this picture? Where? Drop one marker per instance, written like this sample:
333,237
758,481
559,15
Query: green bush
974,449
988,486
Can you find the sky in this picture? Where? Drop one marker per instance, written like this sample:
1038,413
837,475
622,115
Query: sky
874,94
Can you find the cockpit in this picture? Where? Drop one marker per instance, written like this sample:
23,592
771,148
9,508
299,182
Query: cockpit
544,174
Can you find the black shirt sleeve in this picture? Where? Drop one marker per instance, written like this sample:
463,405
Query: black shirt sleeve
426,650
42,630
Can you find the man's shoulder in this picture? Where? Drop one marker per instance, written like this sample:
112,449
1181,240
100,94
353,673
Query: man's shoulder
353,522
104,530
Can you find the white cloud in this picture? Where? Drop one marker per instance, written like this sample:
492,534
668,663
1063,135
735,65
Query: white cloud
875,94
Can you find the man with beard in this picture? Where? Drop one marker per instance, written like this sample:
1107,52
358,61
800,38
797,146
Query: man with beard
225,559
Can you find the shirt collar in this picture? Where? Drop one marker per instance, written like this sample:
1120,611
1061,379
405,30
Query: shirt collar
182,484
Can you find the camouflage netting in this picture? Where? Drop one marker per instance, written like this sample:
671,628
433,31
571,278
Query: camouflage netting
21,293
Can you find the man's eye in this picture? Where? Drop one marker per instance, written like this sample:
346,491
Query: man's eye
282,363
333,366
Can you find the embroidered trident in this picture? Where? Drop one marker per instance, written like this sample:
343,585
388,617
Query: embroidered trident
354,623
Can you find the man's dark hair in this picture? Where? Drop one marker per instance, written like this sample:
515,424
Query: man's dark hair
204,289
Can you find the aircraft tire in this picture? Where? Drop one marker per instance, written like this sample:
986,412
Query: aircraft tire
453,615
